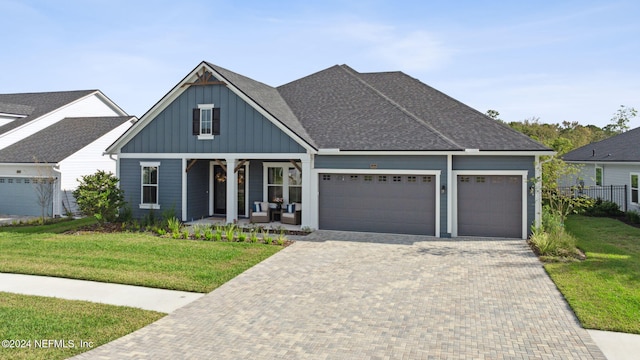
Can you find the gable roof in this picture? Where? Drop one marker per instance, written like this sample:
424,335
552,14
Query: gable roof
35,105
339,108
60,140
344,109
268,98
623,147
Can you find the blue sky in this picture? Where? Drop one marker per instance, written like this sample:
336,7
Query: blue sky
555,60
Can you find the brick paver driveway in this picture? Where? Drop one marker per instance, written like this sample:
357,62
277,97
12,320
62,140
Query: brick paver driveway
385,298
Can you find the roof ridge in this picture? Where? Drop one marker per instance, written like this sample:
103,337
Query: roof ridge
352,73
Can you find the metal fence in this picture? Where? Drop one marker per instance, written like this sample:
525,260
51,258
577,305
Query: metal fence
613,193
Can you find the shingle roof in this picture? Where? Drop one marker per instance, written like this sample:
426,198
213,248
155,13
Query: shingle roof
341,108
267,97
622,147
60,140
35,105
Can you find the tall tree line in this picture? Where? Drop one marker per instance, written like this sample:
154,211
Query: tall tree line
566,136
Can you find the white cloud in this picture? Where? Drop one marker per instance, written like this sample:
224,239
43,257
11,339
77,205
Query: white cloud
395,48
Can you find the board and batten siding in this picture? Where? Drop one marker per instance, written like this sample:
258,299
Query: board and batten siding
198,191
502,163
169,185
242,128
391,163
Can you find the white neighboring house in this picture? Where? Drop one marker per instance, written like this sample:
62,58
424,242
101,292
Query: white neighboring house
59,136
613,161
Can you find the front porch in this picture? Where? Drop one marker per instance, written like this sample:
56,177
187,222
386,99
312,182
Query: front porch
223,190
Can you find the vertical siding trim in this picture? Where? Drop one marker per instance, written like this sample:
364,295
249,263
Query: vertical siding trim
184,189
450,181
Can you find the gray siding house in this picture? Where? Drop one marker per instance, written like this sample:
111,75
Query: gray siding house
356,151
613,161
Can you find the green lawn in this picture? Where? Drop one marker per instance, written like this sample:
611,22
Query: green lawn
50,328
603,290
44,325
127,258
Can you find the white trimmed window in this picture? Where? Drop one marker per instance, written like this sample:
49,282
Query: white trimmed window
599,176
634,188
282,181
149,185
206,121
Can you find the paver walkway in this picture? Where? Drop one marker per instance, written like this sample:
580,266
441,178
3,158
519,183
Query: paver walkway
388,298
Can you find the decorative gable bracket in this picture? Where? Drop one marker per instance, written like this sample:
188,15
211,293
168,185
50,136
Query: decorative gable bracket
204,78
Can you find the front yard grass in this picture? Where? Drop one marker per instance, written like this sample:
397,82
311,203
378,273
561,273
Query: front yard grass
604,289
127,258
34,327
49,328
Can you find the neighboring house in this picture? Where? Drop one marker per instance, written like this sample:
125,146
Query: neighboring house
360,151
613,161
47,141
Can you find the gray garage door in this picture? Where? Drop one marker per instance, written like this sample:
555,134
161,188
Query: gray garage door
490,206
18,197
403,204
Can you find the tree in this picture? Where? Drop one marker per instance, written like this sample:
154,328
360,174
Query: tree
43,186
558,201
98,195
620,120
494,114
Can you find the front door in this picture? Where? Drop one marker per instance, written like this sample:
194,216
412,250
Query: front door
220,191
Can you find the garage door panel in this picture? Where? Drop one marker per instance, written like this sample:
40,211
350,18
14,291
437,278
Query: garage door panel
18,197
489,205
378,203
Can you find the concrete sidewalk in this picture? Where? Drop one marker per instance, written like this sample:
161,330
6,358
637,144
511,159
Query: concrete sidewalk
161,300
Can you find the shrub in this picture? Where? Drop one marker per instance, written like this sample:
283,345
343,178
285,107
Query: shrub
174,225
98,195
633,217
603,208
208,233
230,232
559,243
199,230
266,237
253,236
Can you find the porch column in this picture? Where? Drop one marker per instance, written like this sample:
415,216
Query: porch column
309,205
232,190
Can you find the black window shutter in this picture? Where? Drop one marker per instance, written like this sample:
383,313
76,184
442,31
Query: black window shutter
196,122
216,121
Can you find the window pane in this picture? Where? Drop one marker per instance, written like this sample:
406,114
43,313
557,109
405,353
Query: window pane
149,195
205,121
599,176
634,181
295,177
295,194
150,175
634,196
274,192
275,175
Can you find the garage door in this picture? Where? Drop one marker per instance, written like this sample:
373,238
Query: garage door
18,197
489,205
402,204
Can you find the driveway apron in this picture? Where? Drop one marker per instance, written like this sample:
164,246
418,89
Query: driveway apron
373,296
